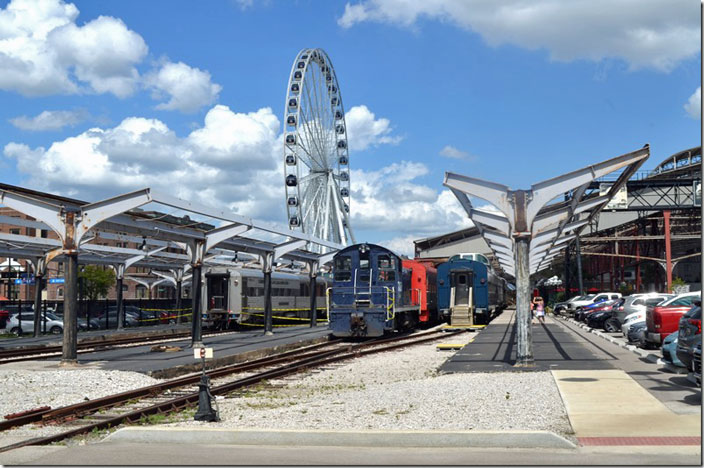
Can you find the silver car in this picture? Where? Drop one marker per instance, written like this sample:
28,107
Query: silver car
53,323
638,303
639,315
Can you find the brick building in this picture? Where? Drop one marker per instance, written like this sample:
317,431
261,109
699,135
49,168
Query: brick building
17,277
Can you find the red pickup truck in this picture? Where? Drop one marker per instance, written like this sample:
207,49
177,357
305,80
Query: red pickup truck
664,318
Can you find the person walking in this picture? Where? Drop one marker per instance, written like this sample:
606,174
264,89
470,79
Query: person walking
539,309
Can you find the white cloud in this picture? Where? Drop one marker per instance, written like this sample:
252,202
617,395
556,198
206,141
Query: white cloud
364,130
188,88
453,153
50,120
401,245
388,200
694,105
232,161
644,33
43,51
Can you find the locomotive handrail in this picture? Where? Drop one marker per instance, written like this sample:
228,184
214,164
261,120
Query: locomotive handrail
392,305
327,300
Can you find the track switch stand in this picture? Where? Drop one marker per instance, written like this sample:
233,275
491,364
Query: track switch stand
205,410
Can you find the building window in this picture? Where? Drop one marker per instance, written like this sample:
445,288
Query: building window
45,233
60,292
15,231
125,288
141,292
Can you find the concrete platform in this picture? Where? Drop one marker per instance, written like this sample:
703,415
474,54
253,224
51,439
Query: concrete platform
370,438
494,349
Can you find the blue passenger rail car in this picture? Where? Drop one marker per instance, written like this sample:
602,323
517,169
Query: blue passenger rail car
370,293
488,291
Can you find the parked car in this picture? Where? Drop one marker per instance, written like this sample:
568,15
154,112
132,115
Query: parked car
601,315
574,305
638,303
582,313
669,349
636,333
561,307
26,321
129,320
637,317
664,318
697,364
690,333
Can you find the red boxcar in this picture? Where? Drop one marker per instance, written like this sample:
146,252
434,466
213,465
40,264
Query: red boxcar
424,288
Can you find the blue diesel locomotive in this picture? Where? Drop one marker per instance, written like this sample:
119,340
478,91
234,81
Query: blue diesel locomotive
370,293
467,280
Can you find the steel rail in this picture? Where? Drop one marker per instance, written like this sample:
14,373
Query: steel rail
305,360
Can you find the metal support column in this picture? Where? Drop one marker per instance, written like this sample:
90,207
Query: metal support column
197,316
668,250
69,355
38,287
637,267
578,254
524,333
179,312
568,282
313,290
268,321
120,311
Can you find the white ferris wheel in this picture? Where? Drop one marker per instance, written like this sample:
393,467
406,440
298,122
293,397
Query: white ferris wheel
316,158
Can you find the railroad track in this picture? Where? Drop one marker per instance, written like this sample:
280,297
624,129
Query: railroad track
179,394
41,352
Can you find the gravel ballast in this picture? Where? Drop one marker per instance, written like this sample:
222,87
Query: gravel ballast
399,391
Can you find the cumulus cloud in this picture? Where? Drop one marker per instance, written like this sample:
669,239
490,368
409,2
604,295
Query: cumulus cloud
402,245
43,51
644,33
50,120
231,161
188,89
390,200
453,153
694,105
365,130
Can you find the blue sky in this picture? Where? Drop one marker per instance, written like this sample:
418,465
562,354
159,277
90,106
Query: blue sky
516,91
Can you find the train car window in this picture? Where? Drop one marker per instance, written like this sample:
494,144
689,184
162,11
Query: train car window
387,275
384,261
364,259
343,268
462,279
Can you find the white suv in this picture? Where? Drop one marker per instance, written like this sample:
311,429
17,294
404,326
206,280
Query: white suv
574,305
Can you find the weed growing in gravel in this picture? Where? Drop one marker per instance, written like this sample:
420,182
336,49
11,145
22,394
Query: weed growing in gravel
152,419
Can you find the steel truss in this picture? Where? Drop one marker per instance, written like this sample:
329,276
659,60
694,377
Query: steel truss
173,247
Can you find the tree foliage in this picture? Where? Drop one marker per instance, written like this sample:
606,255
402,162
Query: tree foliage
96,281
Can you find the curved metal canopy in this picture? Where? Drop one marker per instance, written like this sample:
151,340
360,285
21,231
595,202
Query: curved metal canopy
527,214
